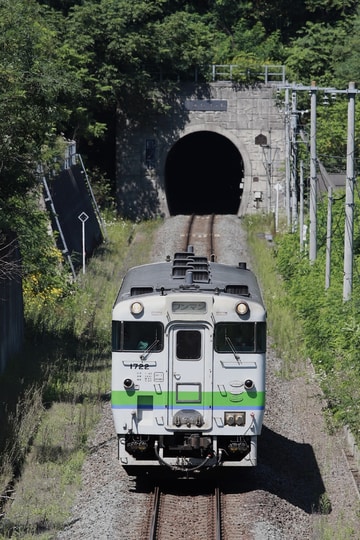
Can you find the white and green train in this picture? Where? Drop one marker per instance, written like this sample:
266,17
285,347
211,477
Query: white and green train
188,366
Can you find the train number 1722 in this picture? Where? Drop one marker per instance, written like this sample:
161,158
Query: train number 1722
138,366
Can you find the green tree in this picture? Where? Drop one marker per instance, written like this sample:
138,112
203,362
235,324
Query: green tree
35,78
309,56
346,54
128,44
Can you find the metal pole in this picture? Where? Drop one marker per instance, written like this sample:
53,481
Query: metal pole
83,246
287,157
277,188
349,199
328,239
301,210
83,217
294,121
269,170
313,177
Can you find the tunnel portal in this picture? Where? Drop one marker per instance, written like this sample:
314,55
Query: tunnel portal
203,173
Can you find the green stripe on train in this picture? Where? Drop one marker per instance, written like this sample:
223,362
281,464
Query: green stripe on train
144,399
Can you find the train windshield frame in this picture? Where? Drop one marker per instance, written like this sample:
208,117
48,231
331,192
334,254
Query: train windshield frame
245,337
137,336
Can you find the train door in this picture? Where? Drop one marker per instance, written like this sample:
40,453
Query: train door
190,377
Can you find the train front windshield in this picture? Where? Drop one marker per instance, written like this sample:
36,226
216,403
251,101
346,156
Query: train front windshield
137,336
240,337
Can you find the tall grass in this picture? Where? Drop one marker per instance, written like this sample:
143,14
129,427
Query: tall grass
55,390
291,337
285,328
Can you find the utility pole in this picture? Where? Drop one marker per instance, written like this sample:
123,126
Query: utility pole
287,157
294,122
290,136
349,199
267,159
301,209
349,195
350,176
328,238
277,188
313,177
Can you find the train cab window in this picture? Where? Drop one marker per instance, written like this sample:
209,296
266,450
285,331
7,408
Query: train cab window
240,337
137,336
188,345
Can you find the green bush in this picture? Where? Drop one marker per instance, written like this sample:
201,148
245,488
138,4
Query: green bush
330,326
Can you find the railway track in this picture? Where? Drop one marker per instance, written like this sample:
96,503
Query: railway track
200,234
194,513
185,515
276,501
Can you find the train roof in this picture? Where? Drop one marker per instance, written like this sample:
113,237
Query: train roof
186,272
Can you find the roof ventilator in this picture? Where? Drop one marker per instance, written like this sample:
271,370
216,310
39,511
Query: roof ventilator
239,290
136,291
186,261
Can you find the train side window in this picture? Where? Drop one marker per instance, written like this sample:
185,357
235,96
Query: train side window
137,336
240,337
188,345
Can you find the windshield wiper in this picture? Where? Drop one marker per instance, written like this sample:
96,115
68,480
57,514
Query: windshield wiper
149,349
233,350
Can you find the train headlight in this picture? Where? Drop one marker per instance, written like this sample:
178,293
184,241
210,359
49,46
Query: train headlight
136,308
242,308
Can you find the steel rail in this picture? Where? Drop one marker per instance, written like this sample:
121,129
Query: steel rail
212,254
188,232
217,516
194,226
155,513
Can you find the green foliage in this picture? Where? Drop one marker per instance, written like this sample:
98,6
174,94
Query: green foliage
346,56
285,329
37,86
342,6
63,377
330,326
308,321
69,65
127,46
45,278
176,30
309,56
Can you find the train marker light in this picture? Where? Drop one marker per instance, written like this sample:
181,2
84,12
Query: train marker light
240,419
235,419
136,308
242,308
128,384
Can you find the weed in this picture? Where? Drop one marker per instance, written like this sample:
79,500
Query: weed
54,391
285,329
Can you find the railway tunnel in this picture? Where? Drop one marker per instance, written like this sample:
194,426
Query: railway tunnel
203,175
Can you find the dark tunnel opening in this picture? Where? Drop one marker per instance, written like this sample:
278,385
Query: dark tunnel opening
203,173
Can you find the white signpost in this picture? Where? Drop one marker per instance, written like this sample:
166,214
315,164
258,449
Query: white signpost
83,217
